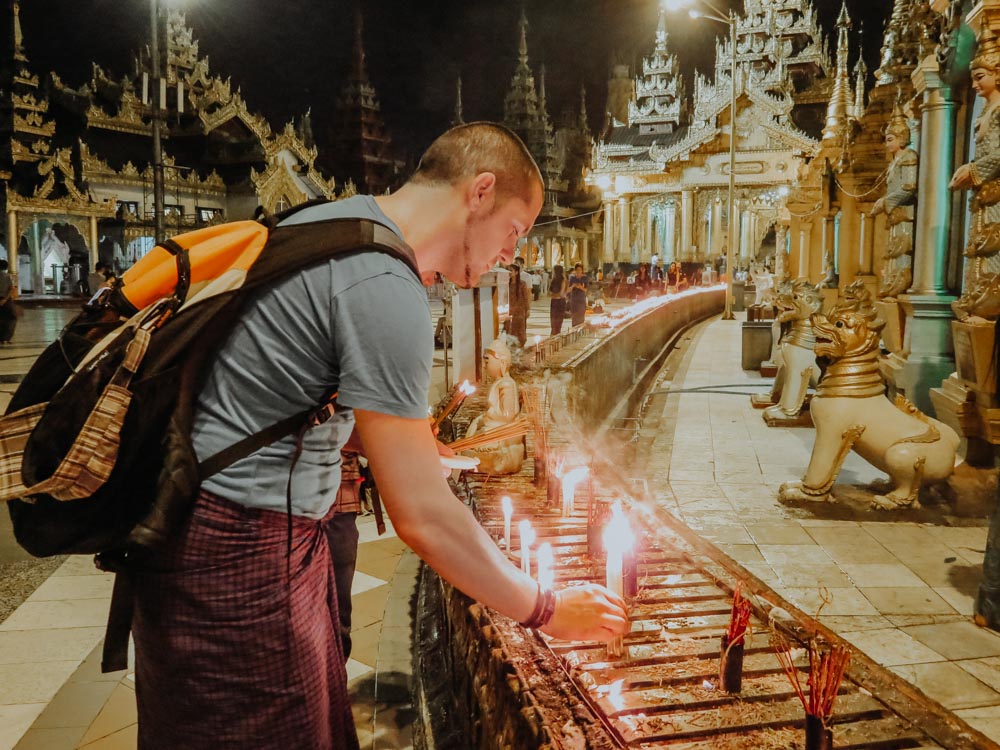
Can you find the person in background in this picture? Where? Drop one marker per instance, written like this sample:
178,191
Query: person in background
578,284
520,304
8,308
98,278
557,300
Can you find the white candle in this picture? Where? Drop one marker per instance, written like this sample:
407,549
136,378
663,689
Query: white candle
527,539
617,541
546,563
569,482
508,509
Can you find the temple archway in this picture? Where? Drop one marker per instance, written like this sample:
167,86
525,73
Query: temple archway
47,253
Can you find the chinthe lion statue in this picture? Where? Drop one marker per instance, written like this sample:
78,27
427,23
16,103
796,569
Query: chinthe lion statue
851,412
797,302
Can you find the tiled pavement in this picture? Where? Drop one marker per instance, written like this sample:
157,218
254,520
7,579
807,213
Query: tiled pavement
901,590
898,586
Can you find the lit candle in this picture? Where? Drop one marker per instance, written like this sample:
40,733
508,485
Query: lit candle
461,393
569,482
538,349
618,540
527,539
546,564
508,509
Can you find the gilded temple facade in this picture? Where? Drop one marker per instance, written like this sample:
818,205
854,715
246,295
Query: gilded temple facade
664,170
76,162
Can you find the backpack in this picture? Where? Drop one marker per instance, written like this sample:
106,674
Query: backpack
95,447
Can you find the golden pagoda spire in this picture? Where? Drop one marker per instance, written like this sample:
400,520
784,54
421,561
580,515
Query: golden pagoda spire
661,31
839,108
861,78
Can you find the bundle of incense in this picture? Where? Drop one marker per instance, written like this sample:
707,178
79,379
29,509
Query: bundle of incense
826,672
739,618
515,429
733,643
460,394
536,412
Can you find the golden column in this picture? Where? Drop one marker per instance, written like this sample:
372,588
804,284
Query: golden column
624,239
687,224
927,306
609,232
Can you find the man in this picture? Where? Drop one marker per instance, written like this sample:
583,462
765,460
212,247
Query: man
98,278
235,626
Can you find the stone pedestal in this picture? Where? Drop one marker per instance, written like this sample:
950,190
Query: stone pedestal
974,356
756,344
925,358
895,324
967,399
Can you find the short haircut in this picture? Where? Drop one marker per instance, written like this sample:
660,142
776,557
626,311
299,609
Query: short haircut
476,147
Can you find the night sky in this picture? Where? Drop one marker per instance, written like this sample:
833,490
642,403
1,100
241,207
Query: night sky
289,55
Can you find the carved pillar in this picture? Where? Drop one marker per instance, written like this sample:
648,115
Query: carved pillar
585,252
829,270
936,167
624,226
927,343
865,227
609,232
687,224
670,233
746,236
13,240
805,229
717,232
780,252
94,256
647,241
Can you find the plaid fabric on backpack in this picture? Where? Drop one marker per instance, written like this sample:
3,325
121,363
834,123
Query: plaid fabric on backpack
95,447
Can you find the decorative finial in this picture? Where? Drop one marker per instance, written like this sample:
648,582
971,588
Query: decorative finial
661,30
523,47
18,37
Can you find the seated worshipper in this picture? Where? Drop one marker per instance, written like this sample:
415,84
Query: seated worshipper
506,456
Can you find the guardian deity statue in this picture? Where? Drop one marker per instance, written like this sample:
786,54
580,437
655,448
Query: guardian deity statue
898,205
980,301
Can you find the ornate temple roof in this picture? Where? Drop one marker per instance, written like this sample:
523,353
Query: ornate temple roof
660,97
99,134
358,142
909,37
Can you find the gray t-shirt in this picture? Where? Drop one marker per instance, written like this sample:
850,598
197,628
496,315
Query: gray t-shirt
359,325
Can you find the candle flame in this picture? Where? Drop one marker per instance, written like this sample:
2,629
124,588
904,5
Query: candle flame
527,533
546,563
618,537
507,505
467,389
615,696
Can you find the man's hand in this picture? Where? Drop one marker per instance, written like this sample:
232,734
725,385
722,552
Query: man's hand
588,613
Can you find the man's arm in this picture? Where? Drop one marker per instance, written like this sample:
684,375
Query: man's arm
439,528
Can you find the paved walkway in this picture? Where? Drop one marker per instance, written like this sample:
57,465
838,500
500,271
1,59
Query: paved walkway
899,586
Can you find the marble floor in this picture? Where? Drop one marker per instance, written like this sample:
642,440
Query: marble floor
899,585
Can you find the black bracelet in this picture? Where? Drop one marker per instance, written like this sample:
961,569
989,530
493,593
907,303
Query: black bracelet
545,608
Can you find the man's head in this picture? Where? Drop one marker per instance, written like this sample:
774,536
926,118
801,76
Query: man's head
498,192
100,266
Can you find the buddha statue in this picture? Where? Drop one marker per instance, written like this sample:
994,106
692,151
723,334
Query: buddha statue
503,407
979,302
898,205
